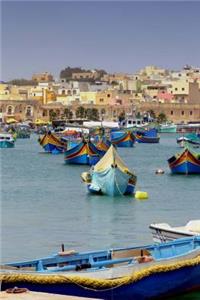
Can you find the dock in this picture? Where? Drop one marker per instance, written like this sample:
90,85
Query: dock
38,296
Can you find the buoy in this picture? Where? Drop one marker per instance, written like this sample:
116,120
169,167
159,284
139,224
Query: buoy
160,171
141,195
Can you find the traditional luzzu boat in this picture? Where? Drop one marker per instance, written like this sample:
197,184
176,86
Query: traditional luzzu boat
23,134
143,272
52,144
103,144
191,138
147,136
110,176
85,153
186,162
163,232
123,139
7,140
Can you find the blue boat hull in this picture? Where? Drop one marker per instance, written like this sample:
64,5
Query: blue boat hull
126,144
148,140
7,144
112,182
84,159
168,283
186,168
50,148
79,160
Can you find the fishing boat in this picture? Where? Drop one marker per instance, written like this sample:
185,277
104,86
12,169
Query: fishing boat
7,140
167,128
85,153
110,176
142,272
163,232
191,138
52,144
149,136
123,139
186,162
103,144
22,134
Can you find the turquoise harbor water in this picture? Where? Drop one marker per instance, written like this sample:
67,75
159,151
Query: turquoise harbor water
44,203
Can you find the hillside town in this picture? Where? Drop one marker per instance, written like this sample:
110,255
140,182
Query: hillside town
97,95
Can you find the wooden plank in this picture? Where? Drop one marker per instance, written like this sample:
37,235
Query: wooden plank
38,296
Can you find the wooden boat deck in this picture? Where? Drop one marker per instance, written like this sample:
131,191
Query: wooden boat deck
38,296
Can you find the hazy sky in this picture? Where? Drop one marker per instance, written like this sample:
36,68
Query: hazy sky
117,36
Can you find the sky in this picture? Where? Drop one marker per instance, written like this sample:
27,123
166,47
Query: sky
39,36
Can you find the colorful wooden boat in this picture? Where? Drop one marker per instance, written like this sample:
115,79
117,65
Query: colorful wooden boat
7,140
110,176
85,153
163,232
52,144
191,138
123,139
143,272
103,144
149,136
186,162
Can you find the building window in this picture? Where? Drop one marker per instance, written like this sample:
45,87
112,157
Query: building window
63,92
182,112
108,95
183,89
176,89
74,92
172,112
101,100
191,113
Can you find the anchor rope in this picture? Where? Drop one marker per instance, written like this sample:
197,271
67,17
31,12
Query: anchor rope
98,284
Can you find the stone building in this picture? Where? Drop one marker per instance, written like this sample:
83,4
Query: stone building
43,77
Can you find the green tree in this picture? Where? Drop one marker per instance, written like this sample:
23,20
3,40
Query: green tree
68,113
95,114
92,114
80,112
162,118
22,81
52,115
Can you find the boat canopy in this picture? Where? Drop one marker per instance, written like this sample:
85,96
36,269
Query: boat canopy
111,158
193,225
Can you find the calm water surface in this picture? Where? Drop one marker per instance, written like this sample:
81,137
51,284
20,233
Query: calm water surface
44,203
